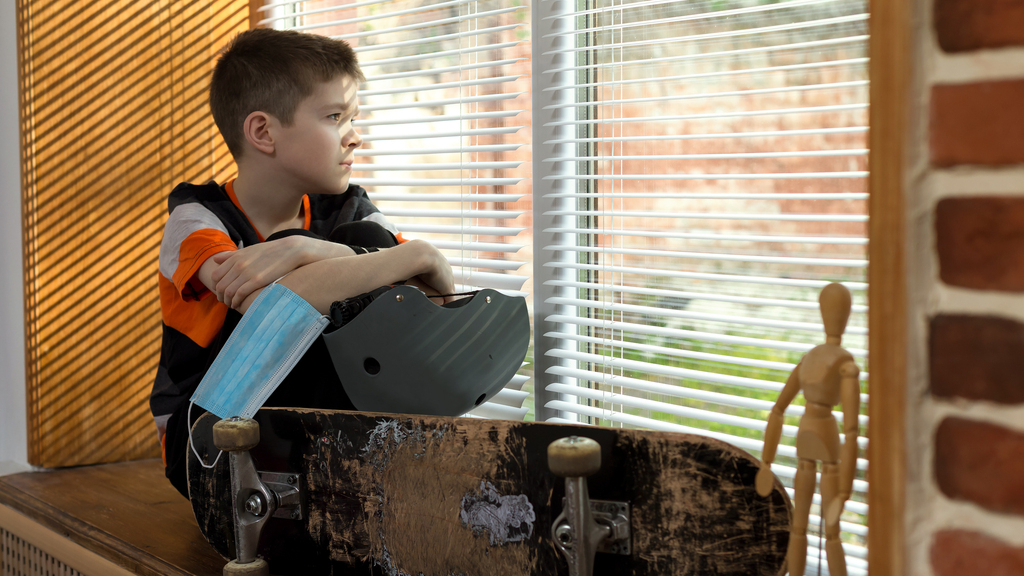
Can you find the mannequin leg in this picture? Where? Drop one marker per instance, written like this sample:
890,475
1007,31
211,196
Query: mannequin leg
833,545
803,488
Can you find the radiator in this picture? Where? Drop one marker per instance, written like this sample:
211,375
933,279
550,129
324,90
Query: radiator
21,558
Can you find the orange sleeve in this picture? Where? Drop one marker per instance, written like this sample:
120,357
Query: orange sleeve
200,320
194,251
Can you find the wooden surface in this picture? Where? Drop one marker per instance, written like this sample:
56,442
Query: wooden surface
890,73
440,496
127,513
113,114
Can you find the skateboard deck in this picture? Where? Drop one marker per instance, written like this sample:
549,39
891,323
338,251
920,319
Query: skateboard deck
408,495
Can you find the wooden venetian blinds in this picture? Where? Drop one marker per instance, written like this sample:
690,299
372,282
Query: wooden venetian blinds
113,114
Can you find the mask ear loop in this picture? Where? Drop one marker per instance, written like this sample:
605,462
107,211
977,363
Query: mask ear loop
193,446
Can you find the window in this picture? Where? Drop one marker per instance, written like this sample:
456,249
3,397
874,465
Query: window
445,155
698,174
708,177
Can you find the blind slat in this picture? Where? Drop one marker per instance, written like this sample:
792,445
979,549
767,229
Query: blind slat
718,55
859,241
853,286
441,150
434,55
498,411
465,230
621,8
489,279
406,182
681,334
433,213
737,72
440,119
731,156
726,94
378,16
765,176
715,116
476,246
481,263
468,133
726,135
440,86
655,312
435,166
719,256
719,35
426,197
371,79
436,103
676,391
721,196
688,295
423,24
719,215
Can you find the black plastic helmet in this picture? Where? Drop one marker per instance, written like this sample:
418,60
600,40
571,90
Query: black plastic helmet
403,353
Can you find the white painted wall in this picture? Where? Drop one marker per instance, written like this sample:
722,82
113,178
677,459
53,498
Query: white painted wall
13,434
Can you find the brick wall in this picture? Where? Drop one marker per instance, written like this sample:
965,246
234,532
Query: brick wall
966,280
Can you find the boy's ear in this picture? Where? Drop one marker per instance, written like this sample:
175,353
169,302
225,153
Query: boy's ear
256,129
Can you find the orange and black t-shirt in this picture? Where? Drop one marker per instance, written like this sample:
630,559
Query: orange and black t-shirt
204,220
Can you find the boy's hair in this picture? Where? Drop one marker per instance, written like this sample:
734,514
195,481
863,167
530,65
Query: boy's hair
273,71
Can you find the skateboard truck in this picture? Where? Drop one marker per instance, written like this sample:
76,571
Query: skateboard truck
585,526
255,500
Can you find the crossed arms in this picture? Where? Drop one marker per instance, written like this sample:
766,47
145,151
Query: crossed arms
322,272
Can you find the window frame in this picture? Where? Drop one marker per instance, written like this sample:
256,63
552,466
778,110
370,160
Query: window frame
890,72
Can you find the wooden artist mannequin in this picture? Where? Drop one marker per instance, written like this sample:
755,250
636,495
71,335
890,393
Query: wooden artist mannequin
827,375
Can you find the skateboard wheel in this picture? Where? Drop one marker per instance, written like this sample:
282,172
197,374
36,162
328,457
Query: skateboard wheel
236,434
257,567
574,456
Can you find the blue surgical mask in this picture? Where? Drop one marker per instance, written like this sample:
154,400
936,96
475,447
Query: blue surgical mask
271,337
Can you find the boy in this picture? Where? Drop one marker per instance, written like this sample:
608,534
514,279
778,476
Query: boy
284,103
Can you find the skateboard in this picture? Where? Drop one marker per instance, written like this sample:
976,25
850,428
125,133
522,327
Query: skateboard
400,495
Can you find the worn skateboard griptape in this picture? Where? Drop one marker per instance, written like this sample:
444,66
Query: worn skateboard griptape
446,496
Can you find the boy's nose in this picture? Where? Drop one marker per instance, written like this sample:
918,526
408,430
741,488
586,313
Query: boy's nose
352,139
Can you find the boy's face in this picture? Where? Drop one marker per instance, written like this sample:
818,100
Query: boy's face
318,148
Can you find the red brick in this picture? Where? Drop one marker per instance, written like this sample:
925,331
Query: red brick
977,357
981,123
980,242
981,463
972,24
963,553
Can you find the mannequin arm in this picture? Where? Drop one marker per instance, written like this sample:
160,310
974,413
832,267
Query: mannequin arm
773,432
776,416
851,410
848,457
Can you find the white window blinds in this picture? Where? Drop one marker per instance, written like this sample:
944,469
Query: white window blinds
440,115
703,176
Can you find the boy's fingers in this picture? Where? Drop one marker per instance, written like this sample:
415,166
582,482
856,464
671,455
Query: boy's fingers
241,294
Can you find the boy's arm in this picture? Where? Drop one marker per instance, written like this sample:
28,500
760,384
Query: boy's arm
239,273
325,281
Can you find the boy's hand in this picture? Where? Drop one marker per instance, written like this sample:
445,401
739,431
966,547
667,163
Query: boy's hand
240,273
438,275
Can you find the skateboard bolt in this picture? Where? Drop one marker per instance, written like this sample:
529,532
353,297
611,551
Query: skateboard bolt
488,299
399,298
291,479
254,505
564,535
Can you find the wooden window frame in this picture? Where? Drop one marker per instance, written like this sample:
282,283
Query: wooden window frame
890,71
